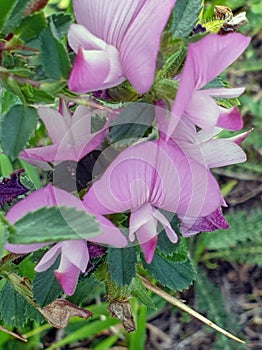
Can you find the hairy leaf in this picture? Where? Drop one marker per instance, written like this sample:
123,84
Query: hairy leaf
17,126
121,265
12,306
185,16
132,123
13,14
53,225
170,272
139,291
56,65
45,286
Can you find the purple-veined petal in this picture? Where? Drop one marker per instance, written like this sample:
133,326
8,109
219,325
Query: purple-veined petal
222,152
202,110
95,70
205,60
77,253
54,122
48,196
171,234
80,37
40,156
208,57
107,20
138,218
147,238
49,258
224,92
148,248
230,119
24,248
209,223
67,275
240,137
110,235
140,45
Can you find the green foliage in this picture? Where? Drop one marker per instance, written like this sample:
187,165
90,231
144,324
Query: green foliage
83,332
241,242
17,126
7,99
131,124
31,27
87,288
185,15
136,340
170,271
12,306
121,265
54,224
45,286
138,290
57,65
12,15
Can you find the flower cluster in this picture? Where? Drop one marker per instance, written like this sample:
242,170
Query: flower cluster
150,180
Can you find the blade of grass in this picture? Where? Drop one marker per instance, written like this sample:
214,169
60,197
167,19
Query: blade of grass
87,331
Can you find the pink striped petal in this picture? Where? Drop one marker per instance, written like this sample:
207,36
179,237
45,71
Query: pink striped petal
140,45
95,70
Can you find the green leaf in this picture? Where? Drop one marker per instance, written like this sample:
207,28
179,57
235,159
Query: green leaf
12,306
7,100
121,265
32,174
243,228
6,7
106,343
14,14
60,23
139,291
31,27
45,286
136,339
185,16
87,288
53,56
54,224
17,126
6,166
34,95
178,250
169,272
89,330
132,123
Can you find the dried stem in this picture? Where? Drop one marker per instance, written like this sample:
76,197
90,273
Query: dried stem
187,309
15,335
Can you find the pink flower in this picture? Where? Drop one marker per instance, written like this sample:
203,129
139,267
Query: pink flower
206,59
206,148
116,40
74,253
149,178
71,135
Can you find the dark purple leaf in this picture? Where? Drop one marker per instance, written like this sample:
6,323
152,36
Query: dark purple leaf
11,188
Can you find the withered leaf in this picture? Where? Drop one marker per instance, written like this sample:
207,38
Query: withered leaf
121,310
60,311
